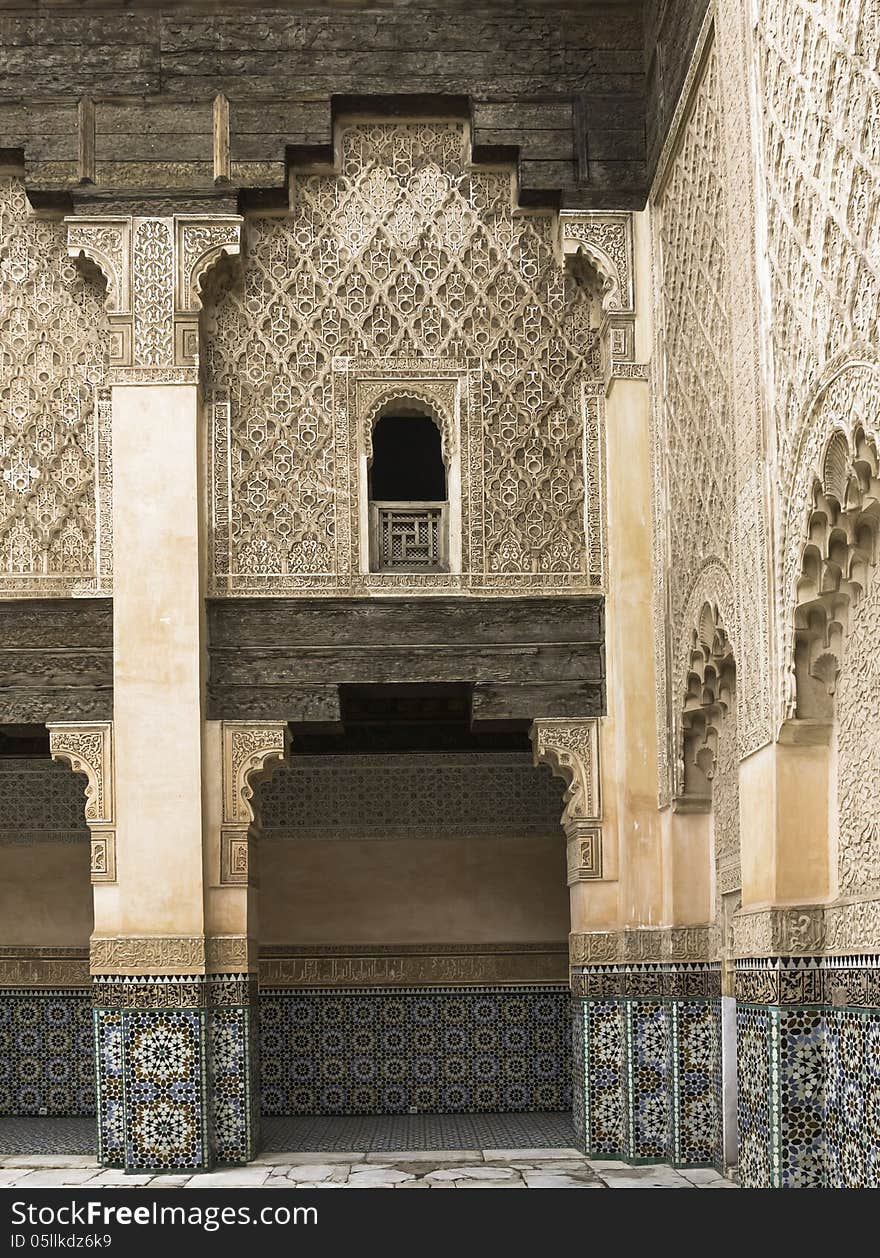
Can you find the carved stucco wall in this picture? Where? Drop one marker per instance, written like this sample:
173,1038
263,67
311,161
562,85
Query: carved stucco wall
792,206
407,266
692,430
725,808
858,751
54,456
819,81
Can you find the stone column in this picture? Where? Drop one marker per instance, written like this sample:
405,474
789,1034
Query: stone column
148,951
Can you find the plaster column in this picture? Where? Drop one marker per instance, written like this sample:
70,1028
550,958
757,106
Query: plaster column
153,1004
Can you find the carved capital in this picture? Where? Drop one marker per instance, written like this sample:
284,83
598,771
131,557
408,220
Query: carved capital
154,269
250,753
201,242
88,749
571,749
105,242
605,239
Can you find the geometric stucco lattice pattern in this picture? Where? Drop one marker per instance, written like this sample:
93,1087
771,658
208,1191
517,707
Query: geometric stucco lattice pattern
693,434
54,416
821,136
442,795
407,254
40,802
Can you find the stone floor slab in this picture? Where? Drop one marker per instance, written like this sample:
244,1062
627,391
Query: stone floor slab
452,1156
235,1177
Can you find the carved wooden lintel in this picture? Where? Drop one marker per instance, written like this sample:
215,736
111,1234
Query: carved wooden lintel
250,752
571,749
88,749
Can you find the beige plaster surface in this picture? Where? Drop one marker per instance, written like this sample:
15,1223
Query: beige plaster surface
687,867
156,665
784,809
479,890
629,772
45,895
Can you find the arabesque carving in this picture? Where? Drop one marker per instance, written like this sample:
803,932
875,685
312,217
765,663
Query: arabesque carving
694,491
88,749
55,525
412,263
571,749
250,753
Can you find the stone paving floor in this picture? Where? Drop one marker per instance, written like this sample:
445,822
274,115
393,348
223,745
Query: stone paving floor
456,1168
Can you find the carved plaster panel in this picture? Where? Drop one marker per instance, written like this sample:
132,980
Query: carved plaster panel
413,262
88,749
55,525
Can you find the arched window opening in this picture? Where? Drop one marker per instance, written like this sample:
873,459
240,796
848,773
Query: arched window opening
408,495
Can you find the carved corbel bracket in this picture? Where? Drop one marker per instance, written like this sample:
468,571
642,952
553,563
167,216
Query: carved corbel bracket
250,754
571,749
88,749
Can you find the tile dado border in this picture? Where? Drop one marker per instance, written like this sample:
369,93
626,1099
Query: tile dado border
412,965
669,943
851,982
173,991
676,981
